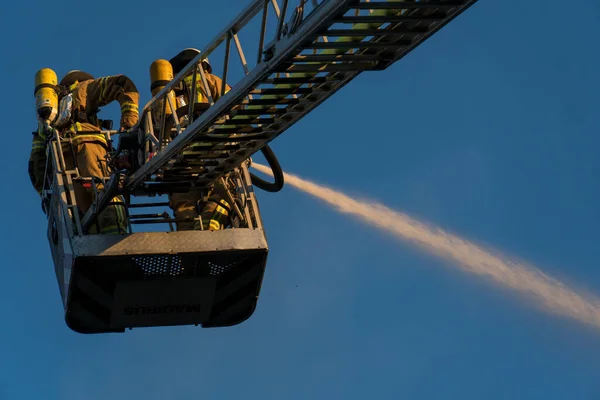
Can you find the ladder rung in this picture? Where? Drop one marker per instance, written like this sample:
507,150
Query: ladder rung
179,178
209,147
383,5
176,179
196,168
375,19
332,58
230,147
246,121
268,91
296,81
359,45
262,111
182,171
242,138
418,30
242,129
327,67
200,158
202,148
207,150
269,102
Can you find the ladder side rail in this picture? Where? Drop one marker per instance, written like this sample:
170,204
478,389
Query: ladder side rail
252,203
149,142
59,240
263,31
194,94
105,196
64,186
61,194
226,63
245,196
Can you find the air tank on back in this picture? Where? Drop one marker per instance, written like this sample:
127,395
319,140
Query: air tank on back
161,73
46,95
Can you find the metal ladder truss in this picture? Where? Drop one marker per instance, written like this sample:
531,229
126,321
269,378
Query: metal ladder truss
321,47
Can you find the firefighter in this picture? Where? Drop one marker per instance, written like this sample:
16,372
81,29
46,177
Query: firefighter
88,148
215,211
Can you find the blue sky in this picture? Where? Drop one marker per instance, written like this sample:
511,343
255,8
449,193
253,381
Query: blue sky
489,129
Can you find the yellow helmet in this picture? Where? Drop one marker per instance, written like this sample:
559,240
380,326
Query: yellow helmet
184,57
75,75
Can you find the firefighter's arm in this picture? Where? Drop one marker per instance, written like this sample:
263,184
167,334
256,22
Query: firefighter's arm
115,88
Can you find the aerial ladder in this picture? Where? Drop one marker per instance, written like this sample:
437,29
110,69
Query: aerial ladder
110,283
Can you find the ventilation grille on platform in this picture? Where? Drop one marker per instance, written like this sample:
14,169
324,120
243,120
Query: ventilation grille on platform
160,265
218,269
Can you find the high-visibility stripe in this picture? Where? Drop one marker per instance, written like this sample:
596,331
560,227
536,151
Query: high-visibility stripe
41,132
130,104
38,146
222,211
225,203
211,224
121,216
75,127
89,137
200,97
103,86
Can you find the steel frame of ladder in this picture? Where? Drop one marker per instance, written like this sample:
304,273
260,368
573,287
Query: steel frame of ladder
263,105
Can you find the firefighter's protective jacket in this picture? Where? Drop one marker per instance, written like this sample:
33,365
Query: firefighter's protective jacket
88,97
215,85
